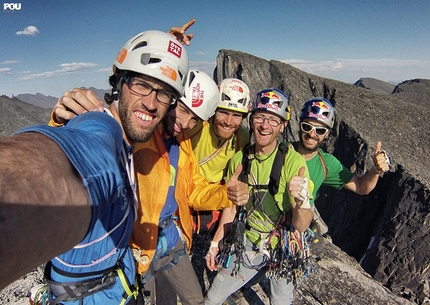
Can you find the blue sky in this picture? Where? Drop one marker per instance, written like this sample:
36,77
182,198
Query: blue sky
53,46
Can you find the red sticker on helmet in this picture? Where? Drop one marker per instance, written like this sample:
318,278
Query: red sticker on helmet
236,88
270,95
267,106
320,105
197,96
175,49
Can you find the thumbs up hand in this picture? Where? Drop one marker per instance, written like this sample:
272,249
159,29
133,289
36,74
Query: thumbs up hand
298,188
381,161
237,190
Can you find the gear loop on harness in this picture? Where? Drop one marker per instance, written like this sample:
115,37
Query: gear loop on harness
73,291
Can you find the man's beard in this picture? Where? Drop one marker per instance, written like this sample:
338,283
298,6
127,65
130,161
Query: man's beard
134,135
310,148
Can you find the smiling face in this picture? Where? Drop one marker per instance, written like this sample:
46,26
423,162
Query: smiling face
226,122
310,141
179,120
140,115
265,134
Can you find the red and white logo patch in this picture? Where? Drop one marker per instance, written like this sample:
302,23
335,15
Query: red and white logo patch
197,96
175,49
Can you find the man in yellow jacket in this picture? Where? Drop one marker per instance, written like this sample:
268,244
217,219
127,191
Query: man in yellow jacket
214,142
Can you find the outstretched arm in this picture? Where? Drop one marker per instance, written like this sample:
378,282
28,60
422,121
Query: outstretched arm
44,207
365,184
73,103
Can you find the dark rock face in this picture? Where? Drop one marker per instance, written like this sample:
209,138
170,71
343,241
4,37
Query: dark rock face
387,230
341,280
415,91
375,85
16,114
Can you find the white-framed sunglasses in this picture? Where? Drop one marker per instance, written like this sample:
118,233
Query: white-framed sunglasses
319,130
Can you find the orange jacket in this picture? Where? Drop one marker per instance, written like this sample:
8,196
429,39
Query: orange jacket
192,190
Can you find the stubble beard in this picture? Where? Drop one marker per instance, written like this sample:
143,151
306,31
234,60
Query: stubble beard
221,133
310,148
134,135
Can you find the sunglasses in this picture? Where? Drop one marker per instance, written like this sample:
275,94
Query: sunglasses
319,131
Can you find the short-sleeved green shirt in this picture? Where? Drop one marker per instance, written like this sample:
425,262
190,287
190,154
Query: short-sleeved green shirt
337,175
263,209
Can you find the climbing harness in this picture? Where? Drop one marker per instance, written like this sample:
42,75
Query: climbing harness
284,252
103,279
160,252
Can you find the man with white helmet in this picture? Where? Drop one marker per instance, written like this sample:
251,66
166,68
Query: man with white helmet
162,234
214,143
218,139
279,204
79,197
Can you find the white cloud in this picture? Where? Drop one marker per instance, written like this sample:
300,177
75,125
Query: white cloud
30,30
204,66
350,70
66,68
9,62
4,70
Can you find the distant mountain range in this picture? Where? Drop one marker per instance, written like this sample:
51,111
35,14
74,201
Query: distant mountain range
44,101
415,90
29,109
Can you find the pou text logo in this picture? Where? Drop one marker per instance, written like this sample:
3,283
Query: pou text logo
10,7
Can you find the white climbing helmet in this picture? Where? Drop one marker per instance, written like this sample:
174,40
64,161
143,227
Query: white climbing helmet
200,94
234,95
157,54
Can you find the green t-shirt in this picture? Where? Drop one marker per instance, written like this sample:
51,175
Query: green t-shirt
263,209
337,175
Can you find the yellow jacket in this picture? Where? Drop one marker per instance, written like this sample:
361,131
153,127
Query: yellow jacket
192,190
212,153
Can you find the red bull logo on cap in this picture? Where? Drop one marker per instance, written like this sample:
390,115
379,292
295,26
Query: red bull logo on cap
320,105
267,106
270,95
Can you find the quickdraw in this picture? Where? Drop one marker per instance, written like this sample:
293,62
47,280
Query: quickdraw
290,257
234,244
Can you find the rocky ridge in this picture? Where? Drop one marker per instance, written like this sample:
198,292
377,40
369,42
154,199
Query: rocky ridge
381,240
386,230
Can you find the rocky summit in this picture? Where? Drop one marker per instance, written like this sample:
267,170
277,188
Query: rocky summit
387,231
376,247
